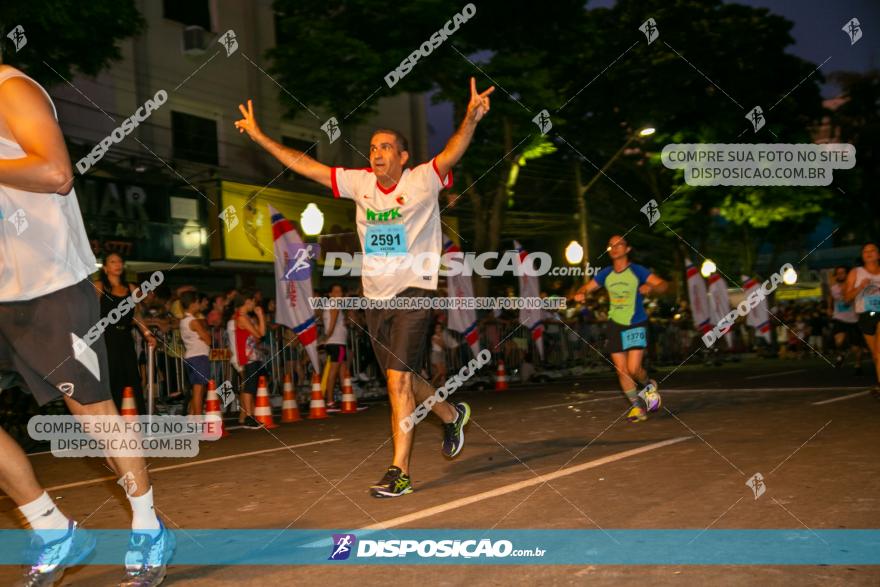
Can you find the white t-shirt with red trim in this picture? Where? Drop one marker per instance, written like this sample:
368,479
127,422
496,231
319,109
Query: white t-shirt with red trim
399,228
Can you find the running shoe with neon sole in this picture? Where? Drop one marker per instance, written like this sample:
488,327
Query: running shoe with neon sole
393,484
146,561
52,557
453,433
636,414
651,396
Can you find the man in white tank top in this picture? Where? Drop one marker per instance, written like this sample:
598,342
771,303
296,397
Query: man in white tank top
197,350
47,305
844,327
862,288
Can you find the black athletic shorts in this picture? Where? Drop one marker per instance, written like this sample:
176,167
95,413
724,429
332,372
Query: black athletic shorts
36,342
622,338
400,337
850,329
868,322
335,352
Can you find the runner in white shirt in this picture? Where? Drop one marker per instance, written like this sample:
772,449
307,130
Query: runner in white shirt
398,219
844,322
863,288
46,300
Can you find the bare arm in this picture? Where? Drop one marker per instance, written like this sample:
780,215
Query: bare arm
459,142
583,290
334,315
850,288
199,328
654,285
45,167
291,158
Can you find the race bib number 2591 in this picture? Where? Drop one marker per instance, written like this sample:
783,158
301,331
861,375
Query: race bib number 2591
388,239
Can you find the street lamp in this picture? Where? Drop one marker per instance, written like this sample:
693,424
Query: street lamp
574,253
789,276
582,192
708,268
311,220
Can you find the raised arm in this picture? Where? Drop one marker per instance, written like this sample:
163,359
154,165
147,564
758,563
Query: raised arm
45,167
298,161
459,142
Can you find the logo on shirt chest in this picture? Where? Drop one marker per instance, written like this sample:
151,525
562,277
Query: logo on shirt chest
383,215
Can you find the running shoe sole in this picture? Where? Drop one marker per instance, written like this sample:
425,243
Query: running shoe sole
467,417
382,494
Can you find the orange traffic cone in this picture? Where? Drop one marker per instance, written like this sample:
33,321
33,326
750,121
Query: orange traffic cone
349,401
317,407
212,407
263,409
500,377
129,408
289,409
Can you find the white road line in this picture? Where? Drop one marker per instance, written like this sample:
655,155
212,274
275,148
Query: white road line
582,401
841,398
757,389
191,464
776,374
504,489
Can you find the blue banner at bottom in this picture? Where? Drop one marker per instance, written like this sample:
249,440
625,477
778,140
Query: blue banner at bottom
494,547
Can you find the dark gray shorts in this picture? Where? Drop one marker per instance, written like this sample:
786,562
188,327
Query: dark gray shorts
400,337
36,342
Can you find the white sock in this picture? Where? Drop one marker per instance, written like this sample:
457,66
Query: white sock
143,515
43,514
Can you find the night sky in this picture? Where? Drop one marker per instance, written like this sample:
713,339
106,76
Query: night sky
817,34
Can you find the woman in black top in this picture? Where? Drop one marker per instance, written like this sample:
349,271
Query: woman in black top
112,289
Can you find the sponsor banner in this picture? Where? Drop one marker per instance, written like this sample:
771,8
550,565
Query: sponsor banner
494,547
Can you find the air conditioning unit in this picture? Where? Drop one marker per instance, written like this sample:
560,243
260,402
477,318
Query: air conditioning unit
195,40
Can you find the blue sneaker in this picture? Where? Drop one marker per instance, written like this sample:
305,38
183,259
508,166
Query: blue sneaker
52,553
147,558
453,433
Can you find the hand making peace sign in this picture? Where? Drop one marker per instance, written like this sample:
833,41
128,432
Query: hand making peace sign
479,104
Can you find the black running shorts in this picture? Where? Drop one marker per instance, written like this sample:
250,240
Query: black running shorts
400,337
868,322
622,338
36,342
